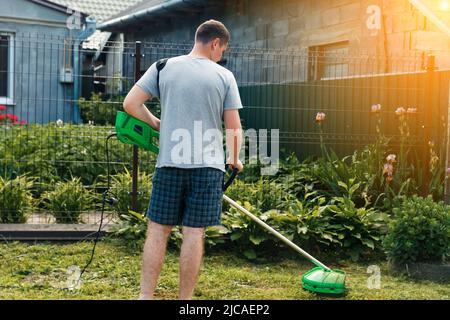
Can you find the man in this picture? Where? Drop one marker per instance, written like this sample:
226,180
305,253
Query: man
196,94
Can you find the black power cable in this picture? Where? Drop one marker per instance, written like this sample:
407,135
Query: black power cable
111,201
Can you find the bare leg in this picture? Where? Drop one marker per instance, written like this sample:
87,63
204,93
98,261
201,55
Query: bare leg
153,258
190,260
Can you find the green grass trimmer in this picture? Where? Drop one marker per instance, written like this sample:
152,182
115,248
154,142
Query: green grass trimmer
320,279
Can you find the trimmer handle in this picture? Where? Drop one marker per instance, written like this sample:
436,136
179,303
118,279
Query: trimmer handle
231,178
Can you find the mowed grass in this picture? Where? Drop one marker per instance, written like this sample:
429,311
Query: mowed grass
40,271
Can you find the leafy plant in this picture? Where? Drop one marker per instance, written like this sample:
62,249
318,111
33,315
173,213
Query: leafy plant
99,111
419,231
121,186
336,225
263,194
132,230
68,200
246,234
364,166
58,152
16,199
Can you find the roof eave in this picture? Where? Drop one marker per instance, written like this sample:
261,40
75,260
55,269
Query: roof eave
57,7
113,24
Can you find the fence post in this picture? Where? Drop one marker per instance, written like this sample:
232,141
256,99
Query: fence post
428,122
134,187
447,153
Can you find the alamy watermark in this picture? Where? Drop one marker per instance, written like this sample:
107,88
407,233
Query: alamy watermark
73,278
374,281
198,146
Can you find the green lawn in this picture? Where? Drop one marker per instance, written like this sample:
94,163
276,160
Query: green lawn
40,272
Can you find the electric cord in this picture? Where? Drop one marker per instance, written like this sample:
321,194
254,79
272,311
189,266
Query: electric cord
111,201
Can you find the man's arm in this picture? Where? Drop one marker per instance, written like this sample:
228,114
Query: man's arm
134,105
233,137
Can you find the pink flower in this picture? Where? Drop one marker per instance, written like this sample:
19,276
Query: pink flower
388,169
376,108
2,108
400,111
320,117
391,158
12,117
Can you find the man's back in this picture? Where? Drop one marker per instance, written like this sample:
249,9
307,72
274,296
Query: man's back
194,92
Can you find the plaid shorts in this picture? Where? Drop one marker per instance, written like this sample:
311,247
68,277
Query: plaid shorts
189,197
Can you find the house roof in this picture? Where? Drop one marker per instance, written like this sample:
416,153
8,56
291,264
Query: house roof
55,6
142,5
155,8
100,10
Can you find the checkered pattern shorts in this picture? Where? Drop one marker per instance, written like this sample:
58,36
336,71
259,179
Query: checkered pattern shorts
189,197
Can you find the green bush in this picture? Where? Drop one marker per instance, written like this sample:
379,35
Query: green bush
16,199
121,184
341,226
257,197
53,152
419,231
337,225
263,194
132,231
68,200
99,111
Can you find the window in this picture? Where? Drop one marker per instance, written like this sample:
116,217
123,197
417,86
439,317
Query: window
328,61
6,68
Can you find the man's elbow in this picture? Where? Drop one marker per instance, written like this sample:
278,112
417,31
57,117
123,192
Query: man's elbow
128,106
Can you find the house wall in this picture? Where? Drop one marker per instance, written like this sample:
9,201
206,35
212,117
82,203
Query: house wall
39,53
299,24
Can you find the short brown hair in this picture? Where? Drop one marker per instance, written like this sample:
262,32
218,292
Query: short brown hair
210,30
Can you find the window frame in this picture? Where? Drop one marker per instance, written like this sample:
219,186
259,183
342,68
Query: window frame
316,67
9,98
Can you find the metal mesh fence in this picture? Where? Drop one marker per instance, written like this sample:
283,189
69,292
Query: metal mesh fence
59,99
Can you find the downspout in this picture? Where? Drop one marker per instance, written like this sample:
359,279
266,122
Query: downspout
83,35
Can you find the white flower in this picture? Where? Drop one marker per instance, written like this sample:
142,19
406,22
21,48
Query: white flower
59,123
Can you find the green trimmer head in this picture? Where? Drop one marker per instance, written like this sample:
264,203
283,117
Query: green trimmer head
131,130
324,281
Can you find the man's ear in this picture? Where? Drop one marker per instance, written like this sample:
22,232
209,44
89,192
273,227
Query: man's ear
216,42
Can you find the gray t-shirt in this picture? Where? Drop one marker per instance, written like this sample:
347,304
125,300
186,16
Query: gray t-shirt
194,94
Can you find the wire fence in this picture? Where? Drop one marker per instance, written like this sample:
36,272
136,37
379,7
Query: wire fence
58,101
